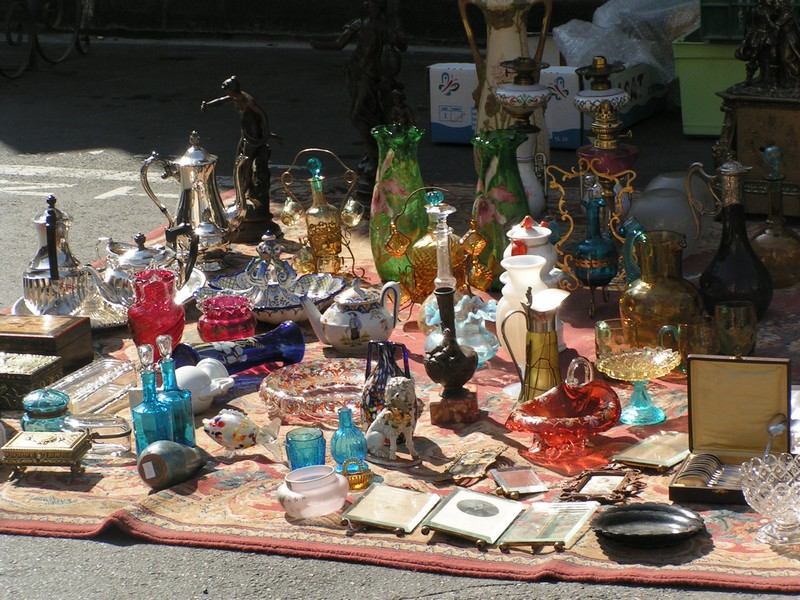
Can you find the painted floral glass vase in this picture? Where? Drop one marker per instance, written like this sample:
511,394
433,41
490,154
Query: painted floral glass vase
500,201
154,311
396,220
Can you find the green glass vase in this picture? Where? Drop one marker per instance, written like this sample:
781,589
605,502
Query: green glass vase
396,221
500,201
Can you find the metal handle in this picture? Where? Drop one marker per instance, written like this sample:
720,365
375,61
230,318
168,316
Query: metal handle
698,210
508,345
155,159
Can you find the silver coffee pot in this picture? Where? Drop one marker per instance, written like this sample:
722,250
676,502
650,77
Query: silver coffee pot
54,283
199,204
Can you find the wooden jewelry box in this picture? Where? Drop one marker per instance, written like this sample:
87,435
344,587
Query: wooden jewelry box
23,373
67,337
731,401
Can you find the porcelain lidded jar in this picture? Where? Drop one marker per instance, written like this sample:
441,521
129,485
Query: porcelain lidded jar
529,238
313,491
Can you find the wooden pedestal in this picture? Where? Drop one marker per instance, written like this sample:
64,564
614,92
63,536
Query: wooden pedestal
453,411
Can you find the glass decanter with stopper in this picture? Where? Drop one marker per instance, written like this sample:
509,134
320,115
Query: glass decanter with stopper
323,223
420,278
775,244
179,401
152,420
735,272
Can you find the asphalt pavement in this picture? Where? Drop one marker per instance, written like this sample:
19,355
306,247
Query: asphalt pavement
80,130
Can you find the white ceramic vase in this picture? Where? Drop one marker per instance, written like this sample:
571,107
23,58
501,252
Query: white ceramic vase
524,272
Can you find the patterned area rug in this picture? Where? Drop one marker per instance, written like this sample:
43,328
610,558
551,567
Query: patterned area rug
231,503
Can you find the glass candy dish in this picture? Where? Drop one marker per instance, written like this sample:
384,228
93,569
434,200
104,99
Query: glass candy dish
314,390
771,486
563,419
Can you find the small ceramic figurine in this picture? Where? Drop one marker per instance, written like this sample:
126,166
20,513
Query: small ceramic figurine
397,418
234,430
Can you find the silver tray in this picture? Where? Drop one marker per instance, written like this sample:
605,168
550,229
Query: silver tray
648,524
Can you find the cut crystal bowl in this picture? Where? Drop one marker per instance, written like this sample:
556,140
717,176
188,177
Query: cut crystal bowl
771,486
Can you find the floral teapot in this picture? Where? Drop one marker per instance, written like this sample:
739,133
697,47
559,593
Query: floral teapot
124,260
356,317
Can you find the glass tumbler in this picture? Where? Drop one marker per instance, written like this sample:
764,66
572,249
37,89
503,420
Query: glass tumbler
305,446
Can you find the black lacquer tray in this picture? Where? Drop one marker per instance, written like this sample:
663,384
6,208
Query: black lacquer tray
647,524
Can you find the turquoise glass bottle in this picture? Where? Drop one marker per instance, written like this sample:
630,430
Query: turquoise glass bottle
595,257
152,420
348,441
179,401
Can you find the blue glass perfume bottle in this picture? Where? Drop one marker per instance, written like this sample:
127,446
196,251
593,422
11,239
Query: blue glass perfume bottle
152,420
631,229
179,401
348,441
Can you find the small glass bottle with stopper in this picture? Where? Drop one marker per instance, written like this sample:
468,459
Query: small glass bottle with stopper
152,421
179,401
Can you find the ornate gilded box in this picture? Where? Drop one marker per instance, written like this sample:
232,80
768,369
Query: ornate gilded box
731,402
46,449
22,373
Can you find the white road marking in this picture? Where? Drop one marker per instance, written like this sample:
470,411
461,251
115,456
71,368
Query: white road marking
120,191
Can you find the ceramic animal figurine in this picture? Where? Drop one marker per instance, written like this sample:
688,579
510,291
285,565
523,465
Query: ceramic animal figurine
397,418
234,430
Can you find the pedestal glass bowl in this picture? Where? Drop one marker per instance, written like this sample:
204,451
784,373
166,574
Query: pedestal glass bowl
617,358
771,486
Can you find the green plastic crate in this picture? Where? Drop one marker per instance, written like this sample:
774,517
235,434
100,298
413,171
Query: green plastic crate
723,20
704,69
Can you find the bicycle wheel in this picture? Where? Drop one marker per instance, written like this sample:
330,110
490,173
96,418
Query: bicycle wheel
16,46
58,23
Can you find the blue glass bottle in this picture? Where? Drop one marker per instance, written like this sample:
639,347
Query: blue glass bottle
152,420
179,401
348,441
595,257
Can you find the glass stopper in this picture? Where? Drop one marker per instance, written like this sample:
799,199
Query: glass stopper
164,343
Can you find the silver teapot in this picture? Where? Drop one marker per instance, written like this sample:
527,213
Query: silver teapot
199,204
123,260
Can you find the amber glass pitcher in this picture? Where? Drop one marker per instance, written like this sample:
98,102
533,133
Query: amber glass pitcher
661,296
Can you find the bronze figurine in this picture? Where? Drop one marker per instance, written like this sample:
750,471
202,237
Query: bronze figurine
252,161
771,45
376,96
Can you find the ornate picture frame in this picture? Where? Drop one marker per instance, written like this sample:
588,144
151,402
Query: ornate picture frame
607,486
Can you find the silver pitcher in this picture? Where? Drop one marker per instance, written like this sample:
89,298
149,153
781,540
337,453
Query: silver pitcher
199,204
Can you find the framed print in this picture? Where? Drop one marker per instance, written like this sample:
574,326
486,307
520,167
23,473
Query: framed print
473,515
607,486
548,524
473,464
660,451
512,482
388,507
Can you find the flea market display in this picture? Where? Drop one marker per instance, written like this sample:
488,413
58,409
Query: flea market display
540,393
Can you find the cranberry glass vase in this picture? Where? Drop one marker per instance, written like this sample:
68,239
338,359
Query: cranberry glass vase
154,311
226,318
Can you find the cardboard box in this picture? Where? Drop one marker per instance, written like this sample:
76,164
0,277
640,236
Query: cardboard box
454,114
23,373
67,337
731,400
